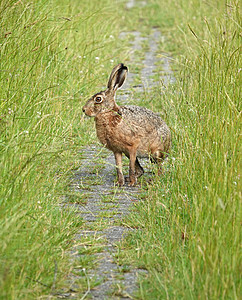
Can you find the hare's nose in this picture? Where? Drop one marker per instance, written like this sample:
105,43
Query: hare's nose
83,109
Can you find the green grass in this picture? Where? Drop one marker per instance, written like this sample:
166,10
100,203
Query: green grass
189,237
54,55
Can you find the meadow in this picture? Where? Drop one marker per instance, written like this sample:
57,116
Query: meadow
53,56
188,224
49,62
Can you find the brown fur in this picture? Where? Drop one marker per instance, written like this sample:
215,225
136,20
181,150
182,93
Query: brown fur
132,130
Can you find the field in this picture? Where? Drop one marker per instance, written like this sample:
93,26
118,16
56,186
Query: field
53,56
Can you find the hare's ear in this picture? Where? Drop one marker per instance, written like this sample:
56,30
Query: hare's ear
117,77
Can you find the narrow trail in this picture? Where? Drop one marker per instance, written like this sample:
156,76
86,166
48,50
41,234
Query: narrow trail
106,204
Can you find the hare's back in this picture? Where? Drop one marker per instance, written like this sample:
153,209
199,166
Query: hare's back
147,125
141,116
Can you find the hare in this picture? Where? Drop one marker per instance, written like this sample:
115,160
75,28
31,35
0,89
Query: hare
132,130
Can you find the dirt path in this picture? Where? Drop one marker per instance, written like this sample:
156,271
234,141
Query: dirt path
105,204
104,207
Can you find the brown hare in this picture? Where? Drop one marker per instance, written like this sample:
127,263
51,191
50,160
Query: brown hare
132,130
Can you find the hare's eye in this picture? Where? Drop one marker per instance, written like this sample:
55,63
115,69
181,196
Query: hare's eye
98,99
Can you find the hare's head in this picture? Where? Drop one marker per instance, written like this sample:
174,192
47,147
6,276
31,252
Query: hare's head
104,101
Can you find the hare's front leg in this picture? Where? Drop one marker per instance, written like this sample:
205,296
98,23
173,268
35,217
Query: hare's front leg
118,160
139,171
132,160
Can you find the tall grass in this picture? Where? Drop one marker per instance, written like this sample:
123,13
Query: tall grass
190,240
53,54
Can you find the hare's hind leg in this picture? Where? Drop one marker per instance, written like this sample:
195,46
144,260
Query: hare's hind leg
139,171
118,160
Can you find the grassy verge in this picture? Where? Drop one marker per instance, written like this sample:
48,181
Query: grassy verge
53,54
189,237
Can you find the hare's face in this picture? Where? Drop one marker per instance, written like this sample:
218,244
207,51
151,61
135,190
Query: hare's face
99,103
104,102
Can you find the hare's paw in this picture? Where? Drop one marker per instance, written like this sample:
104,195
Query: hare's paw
131,181
120,182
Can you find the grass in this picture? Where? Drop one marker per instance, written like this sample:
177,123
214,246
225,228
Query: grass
189,237
54,55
